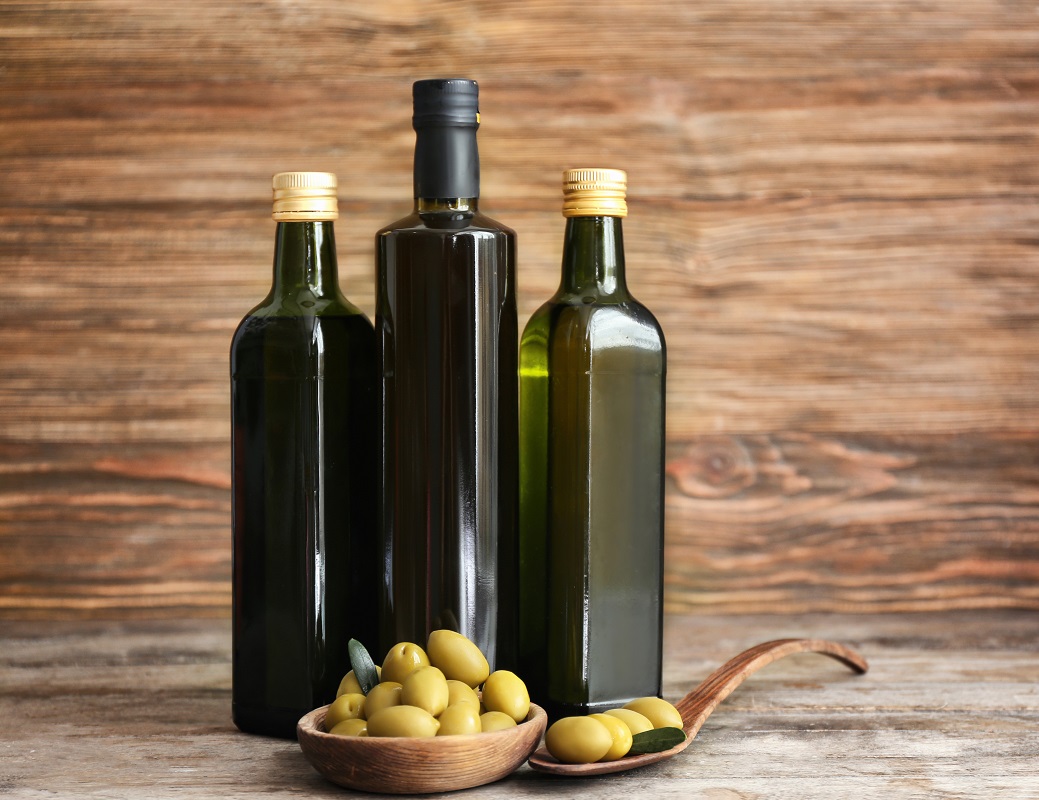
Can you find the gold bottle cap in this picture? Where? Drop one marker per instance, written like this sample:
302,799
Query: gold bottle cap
595,193
305,196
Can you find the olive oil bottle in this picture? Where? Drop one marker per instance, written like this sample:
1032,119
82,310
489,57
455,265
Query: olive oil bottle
447,340
592,371
303,418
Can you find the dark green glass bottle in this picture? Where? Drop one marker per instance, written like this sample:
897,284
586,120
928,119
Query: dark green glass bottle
447,349
592,371
303,418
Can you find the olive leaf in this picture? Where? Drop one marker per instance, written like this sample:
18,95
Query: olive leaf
363,666
656,740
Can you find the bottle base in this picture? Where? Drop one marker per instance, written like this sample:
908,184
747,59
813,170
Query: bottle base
277,722
559,710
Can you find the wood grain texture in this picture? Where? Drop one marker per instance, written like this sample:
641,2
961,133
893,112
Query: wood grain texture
948,709
864,523
834,209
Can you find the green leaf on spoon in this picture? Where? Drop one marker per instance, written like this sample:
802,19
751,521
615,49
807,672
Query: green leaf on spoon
363,666
656,740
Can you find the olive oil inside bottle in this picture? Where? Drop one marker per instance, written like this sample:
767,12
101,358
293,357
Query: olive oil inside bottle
298,597
447,342
303,410
592,363
447,350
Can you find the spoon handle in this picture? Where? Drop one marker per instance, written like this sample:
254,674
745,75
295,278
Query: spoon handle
697,706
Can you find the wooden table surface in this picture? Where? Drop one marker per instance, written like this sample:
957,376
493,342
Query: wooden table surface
950,708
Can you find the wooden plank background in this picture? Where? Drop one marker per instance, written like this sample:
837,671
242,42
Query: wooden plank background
834,214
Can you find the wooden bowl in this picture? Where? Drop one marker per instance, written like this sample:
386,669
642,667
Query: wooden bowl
414,765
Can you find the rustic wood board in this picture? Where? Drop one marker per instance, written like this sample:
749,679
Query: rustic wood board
834,209
950,708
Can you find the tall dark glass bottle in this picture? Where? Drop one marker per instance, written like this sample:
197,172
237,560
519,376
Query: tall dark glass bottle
592,369
303,441
447,349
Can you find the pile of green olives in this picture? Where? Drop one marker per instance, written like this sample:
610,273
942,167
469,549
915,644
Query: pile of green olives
607,736
431,692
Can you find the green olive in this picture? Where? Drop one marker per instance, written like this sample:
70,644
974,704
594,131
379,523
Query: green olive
633,719
350,684
351,727
383,695
578,740
402,721
346,706
426,688
460,719
496,721
620,733
403,659
504,691
660,712
457,657
458,692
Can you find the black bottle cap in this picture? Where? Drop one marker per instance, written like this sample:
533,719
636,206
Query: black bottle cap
446,101
447,114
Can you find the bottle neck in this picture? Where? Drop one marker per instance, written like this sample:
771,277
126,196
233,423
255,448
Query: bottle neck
447,165
305,259
454,207
593,256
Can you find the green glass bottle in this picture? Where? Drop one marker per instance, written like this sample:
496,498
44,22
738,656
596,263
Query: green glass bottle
447,340
303,418
592,372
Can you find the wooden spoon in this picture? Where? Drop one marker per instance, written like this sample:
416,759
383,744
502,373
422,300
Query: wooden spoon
697,706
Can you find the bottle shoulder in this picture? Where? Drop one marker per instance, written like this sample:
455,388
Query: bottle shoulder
587,308
304,303
647,319
596,326
405,223
484,222
289,347
283,322
416,224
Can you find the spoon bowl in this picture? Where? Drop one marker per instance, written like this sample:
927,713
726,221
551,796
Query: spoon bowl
697,706
412,765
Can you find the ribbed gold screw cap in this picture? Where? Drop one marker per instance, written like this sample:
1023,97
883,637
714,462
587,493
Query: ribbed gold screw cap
595,193
305,196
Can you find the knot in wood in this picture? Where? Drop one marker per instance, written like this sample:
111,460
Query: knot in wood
713,467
